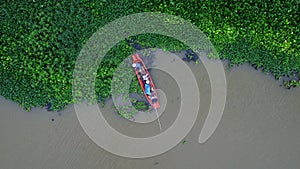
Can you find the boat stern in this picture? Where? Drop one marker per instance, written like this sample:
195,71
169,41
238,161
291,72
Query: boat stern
155,105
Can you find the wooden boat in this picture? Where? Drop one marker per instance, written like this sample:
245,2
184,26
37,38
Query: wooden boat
152,98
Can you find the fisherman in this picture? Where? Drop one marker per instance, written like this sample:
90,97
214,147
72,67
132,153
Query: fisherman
136,66
145,77
147,88
153,96
142,71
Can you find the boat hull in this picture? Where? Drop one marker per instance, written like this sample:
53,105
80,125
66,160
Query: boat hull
154,102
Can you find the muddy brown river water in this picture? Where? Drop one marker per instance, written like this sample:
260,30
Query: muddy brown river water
260,128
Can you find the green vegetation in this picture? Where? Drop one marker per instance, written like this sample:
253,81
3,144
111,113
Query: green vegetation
139,105
40,41
127,111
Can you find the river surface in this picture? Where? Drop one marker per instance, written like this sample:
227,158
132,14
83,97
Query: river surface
260,129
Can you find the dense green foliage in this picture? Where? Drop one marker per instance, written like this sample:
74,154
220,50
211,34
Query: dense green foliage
140,106
128,112
40,40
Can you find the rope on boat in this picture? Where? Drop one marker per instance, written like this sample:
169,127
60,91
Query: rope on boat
158,119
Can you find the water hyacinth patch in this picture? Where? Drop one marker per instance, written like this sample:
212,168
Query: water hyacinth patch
40,41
